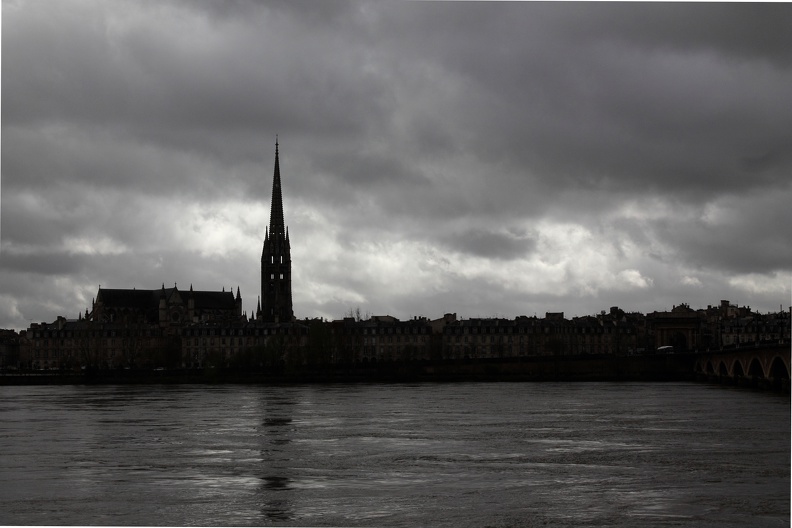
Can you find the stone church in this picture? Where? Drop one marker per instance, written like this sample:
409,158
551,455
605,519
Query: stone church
169,326
170,307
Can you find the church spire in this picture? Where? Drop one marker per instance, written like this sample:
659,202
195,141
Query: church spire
276,296
276,226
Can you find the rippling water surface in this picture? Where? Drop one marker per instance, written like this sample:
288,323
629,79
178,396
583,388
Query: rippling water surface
501,454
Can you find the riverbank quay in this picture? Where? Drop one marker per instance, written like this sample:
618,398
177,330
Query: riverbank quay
677,367
581,368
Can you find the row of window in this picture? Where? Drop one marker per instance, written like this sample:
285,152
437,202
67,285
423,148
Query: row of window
534,330
391,339
49,334
232,341
389,330
753,329
77,343
242,331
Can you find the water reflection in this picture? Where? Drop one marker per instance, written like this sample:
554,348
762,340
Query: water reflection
276,483
276,422
277,434
277,507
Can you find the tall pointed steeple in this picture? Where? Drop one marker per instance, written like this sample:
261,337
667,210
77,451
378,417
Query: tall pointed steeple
276,295
276,226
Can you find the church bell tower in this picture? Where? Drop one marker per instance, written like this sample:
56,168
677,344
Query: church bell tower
276,293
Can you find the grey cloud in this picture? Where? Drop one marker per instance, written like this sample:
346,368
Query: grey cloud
747,31
491,244
48,263
753,239
595,111
179,90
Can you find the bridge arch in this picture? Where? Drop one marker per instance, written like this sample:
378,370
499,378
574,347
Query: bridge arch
737,369
722,370
755,369
709,369
778,369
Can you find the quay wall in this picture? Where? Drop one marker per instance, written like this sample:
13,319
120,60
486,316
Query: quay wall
672,367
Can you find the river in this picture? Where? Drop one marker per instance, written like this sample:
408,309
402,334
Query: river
454,454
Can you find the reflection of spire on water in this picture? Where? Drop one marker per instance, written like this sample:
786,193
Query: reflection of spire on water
277,507
277,429
276,483
276,421
277,433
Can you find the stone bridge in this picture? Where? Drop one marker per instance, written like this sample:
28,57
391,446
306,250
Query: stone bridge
757,364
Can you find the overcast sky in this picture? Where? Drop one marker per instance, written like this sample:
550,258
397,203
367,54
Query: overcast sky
488,159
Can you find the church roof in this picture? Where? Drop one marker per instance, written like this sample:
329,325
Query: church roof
132,299
149,299
213,300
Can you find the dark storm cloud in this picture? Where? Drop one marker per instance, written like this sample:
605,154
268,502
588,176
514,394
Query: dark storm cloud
597,101
642,146
744,30
50,263
369,171
751,236
585,111
494,245
164,86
